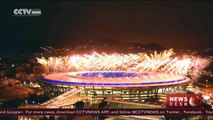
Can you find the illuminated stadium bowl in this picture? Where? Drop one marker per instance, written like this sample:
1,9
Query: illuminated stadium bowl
122,85
114,79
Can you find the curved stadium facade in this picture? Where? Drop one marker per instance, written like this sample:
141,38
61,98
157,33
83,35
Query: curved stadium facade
119,85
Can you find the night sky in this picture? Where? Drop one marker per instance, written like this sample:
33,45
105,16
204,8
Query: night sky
173,24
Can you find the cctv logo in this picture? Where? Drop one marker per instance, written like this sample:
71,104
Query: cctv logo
26,12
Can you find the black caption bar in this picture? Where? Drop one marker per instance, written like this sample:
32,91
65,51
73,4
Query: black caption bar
4,112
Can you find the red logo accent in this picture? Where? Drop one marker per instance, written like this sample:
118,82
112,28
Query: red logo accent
184,100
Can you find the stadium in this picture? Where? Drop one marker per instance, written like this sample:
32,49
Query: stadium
117,85
133,77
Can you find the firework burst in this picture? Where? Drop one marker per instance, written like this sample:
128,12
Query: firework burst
165,61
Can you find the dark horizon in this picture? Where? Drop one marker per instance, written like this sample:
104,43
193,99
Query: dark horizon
170,24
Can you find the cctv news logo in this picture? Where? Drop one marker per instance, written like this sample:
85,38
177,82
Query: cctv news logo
26,12
184,100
